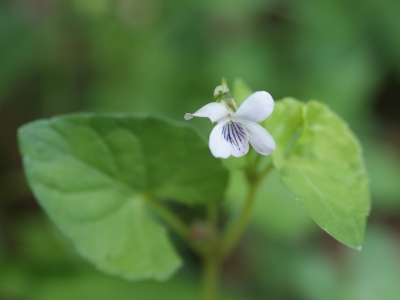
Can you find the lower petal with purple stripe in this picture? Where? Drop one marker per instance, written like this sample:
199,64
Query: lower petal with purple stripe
234,133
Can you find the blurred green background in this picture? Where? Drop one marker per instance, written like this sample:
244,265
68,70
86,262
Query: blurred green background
165,58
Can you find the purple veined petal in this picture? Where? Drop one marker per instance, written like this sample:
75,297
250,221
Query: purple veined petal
256,108
219,146
235,134
214,111
259,138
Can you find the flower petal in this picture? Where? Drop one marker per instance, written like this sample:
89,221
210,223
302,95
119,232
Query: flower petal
218,145
256,108
259,138
214,111
235,134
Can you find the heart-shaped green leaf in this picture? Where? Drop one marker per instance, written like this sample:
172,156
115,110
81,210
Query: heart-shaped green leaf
96,177
319,159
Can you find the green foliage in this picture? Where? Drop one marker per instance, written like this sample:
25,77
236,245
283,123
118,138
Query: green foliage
48,268
86,284
98,178
320,161
165,57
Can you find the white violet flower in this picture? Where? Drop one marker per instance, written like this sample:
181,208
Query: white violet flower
237,126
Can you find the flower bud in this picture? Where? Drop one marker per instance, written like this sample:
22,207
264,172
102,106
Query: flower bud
223,95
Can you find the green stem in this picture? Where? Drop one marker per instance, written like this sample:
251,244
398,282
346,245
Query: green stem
236,231
210,280
210,263
169,217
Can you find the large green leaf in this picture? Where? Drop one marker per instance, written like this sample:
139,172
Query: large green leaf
319,159
94,176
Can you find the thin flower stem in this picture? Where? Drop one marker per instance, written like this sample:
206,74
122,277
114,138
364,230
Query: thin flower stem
236,231
169,217
210,263
210,276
